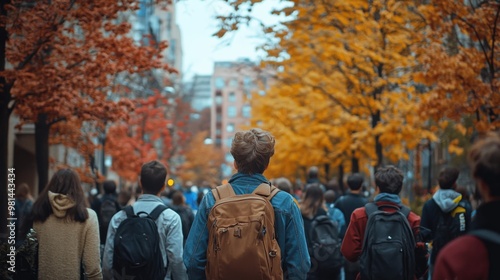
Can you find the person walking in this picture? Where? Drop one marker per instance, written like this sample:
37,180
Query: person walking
409,260
169,226
347,203
251,151
67,231
445,214
313,209
476,255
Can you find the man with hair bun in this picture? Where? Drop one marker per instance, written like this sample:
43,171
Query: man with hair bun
252,151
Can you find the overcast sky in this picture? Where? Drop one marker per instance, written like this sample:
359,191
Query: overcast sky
196,19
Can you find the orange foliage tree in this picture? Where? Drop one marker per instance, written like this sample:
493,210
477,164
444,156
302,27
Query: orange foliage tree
202,162
132,143
461,59
148,134
57,61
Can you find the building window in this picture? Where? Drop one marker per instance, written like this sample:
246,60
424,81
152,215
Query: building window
231,111
246,111
219,83
230,127
232,97
229,141
233,82
218,100
247,82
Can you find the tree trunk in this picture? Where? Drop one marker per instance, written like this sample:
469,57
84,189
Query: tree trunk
378,145
42,150
341,178
5,112
327,172
354,164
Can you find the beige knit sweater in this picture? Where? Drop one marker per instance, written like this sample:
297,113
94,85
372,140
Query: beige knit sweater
65,245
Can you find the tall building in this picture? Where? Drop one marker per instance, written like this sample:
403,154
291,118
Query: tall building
199,92
232,86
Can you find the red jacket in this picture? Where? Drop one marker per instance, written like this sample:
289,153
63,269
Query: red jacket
455,260
352,245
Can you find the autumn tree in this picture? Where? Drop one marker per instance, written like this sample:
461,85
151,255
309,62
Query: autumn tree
202,161
344,92
460,61
133,142
58,59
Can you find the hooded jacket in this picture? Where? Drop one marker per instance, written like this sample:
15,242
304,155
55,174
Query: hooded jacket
443,202
468,257
65,245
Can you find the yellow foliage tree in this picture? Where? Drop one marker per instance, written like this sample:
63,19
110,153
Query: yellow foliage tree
344,92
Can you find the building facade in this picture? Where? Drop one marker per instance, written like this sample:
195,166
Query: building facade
233,83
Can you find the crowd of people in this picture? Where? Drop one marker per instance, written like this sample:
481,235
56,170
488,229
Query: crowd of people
257,228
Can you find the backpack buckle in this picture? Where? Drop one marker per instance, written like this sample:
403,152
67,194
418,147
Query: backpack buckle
272,254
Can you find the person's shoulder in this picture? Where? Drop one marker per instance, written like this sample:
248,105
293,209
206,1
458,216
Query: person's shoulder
92,213
359,212
466,246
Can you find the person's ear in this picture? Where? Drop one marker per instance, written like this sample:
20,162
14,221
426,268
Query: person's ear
235,165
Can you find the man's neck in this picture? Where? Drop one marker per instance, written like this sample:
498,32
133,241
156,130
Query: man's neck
355,191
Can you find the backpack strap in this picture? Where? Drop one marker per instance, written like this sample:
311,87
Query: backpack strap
267,190
157,211
129,211
370,208
487,235
223,191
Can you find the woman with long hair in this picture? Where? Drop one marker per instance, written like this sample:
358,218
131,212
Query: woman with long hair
67,231
312,206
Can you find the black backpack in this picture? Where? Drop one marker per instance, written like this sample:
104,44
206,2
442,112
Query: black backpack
326,258
108,210
137,251
389,245
450,226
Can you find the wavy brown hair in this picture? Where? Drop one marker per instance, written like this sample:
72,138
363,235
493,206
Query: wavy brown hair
67,182
313,200
252,150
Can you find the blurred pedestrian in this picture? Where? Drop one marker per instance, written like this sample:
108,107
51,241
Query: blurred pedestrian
313,209
445,214
23,205
476,255
347,203
105,208
185,212
333,212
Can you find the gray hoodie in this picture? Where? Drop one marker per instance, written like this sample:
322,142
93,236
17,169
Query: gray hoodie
447,200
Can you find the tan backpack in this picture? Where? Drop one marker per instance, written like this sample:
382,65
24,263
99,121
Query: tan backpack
242,241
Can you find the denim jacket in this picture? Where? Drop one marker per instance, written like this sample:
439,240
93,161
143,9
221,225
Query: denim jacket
288,225
169,228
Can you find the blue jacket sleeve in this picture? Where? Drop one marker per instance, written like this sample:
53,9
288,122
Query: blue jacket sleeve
296,261
195,251
339,217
